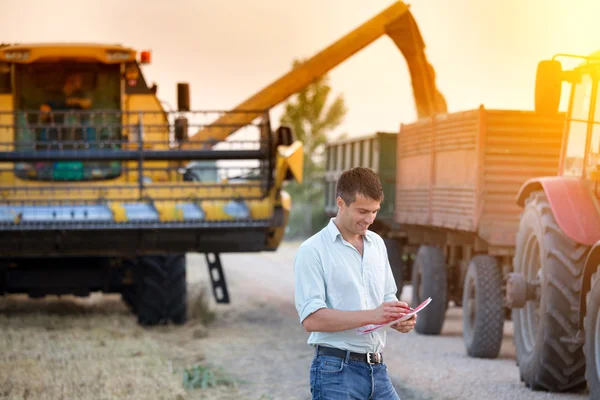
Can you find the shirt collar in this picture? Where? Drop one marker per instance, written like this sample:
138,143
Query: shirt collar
334,232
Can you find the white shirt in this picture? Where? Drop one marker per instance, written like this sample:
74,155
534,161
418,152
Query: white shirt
330,272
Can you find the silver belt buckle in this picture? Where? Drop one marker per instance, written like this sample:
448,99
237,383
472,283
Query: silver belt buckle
377,358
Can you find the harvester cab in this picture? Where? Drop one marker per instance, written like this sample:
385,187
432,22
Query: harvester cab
101,189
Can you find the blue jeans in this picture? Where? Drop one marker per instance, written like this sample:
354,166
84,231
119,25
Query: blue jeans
333,378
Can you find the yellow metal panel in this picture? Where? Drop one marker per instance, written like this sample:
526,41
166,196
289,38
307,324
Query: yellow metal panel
260,209
74,192
6,134
168,211
214,210
197,190
119,213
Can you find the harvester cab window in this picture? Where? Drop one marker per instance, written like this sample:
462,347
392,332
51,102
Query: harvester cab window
68,106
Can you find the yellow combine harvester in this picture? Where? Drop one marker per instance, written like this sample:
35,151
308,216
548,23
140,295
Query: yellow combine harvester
98,193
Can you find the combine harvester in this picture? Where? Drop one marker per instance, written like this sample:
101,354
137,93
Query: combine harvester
94,190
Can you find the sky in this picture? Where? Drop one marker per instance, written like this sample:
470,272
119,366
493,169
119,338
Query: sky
484,52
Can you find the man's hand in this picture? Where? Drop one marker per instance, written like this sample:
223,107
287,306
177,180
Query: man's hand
389,311
405,326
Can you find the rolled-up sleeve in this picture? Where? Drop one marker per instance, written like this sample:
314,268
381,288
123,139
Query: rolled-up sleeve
309,282
390,282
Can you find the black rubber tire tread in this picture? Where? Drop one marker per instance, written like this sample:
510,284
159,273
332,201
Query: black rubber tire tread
589,348
129,293
553,364
483,338
129,296
162,290
398,266
430,261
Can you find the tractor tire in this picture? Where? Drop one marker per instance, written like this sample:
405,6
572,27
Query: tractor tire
592,337
483,308
162,290
546,360
430,279
397,264
129,296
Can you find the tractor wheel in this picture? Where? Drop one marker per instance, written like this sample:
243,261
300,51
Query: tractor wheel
430,279
162,290
398,265
129,296
592,337
483,308
553,263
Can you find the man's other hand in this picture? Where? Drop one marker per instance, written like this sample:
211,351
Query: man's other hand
405,326
389,311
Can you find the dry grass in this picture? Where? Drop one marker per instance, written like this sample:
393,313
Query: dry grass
93,348
79,348
199,304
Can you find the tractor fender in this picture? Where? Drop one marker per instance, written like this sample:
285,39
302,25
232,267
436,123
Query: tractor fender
573,204
591,266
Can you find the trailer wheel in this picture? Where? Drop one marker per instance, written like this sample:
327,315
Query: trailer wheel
430,279
544,329
398,265
162,295
592,337
482,302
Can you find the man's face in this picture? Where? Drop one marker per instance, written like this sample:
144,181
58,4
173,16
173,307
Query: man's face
72,83
361,213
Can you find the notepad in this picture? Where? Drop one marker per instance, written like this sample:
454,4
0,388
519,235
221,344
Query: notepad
363,330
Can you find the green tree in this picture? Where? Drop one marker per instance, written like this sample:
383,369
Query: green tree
313,117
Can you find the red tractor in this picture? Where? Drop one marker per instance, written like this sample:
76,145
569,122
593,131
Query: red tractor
554,292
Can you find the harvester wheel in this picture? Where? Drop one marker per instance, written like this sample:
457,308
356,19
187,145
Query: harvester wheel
548,357
483,308
398,265
162,295
592,337
430,279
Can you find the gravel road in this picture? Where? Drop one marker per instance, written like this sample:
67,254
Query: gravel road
422,367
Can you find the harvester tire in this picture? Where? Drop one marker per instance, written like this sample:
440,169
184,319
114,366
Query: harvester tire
430,279
162,292
592,337
483,308
548,355
394,252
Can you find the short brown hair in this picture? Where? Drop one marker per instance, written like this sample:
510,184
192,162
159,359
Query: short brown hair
359,180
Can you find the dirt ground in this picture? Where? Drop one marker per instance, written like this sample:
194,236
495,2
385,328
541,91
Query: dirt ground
92,348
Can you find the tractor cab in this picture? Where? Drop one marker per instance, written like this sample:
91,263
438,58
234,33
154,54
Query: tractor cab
580,155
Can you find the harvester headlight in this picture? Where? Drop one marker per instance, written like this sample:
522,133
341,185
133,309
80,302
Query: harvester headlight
16,55
117,55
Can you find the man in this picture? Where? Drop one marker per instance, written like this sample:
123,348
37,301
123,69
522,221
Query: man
72,98
344,281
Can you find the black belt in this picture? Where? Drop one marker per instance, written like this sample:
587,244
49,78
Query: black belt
371,358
